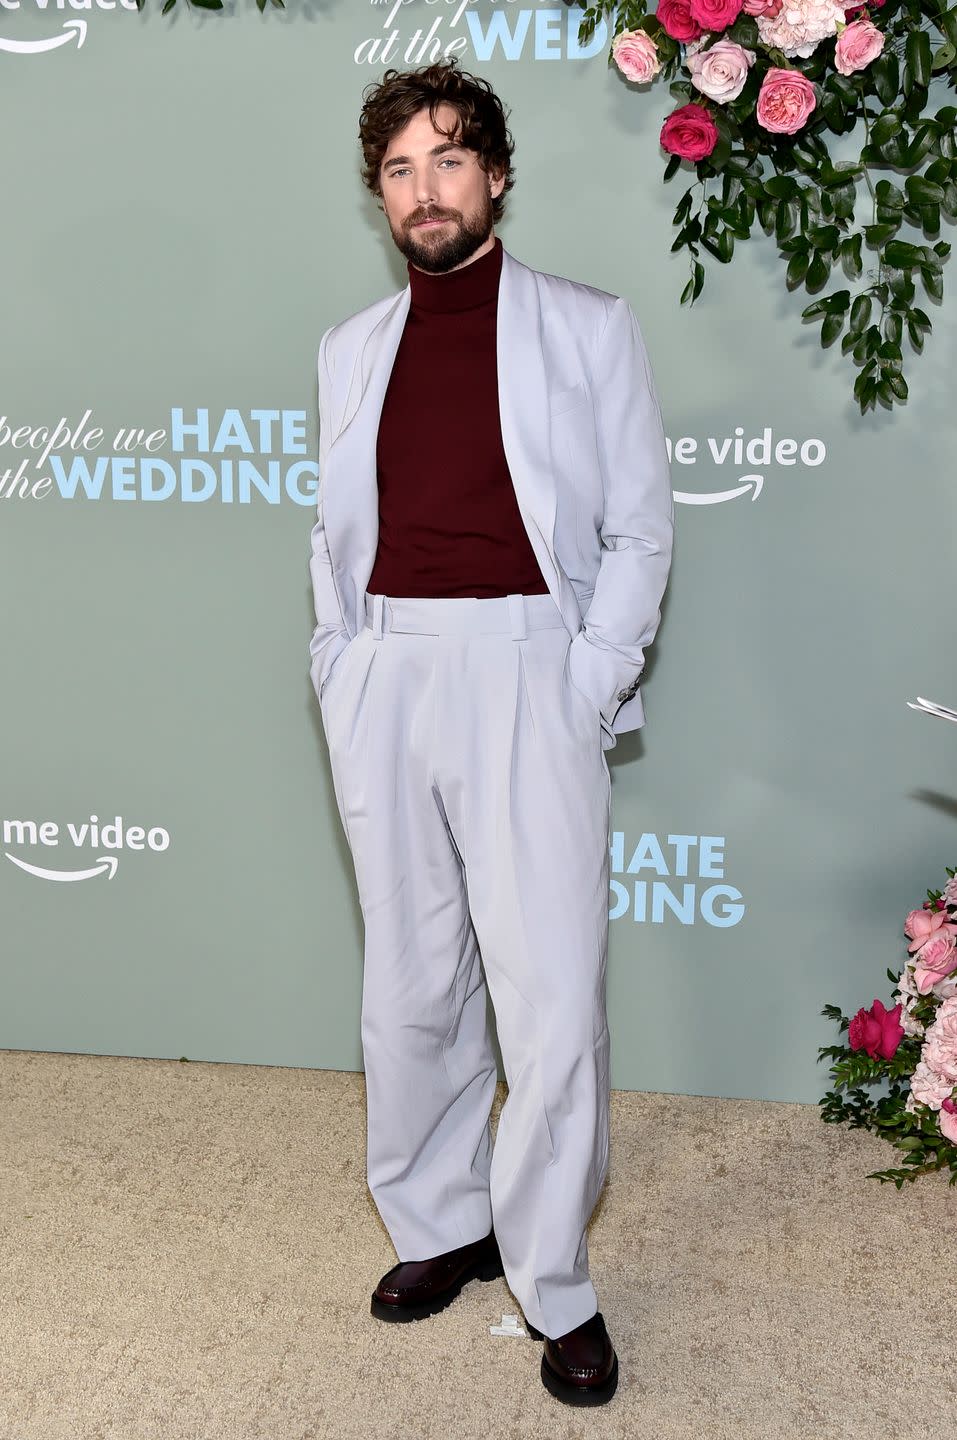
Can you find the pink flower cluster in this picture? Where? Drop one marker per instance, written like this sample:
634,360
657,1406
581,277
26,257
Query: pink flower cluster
935,1075
719,66
933,944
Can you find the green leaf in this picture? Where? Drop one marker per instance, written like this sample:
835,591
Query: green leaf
901,286
888,196
851,256
832,327
824,237
860,313
782,187
672,166
843,198
922,191
933,282
917,56
744,31
885,73
902,255
948,26
924,138
797,268
943,57
817,272
886,125
916,335
879,234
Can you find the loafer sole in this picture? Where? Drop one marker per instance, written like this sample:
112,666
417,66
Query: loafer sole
573,1394
489,1269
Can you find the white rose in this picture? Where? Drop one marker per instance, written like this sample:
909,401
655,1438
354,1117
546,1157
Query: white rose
720,73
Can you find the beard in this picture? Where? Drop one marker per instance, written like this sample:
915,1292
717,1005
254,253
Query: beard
447,246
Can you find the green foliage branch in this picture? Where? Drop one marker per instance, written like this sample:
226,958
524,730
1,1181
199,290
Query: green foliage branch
792,188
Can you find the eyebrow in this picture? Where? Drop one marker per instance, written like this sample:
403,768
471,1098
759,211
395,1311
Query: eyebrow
436,150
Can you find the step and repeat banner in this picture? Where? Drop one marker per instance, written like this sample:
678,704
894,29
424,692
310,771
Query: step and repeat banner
182,218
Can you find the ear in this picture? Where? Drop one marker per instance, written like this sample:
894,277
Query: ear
496,183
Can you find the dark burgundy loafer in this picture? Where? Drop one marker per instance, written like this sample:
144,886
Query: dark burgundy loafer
416,1288
581,1367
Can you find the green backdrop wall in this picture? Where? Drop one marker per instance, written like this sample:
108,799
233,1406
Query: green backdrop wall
182,218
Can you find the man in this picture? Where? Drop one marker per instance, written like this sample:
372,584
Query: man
492,545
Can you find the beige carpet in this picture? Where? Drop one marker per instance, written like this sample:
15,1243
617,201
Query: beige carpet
188,1252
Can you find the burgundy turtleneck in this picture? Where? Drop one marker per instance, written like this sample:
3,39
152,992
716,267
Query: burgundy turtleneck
449,522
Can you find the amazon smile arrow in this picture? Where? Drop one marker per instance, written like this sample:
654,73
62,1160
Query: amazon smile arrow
110,863
75,29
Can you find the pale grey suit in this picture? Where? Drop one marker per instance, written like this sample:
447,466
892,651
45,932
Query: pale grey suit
466,740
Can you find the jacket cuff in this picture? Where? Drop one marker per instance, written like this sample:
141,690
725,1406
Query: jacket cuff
608,680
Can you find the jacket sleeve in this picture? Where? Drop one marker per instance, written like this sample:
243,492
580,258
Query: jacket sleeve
606,657
330,636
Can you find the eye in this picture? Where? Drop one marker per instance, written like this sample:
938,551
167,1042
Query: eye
403,170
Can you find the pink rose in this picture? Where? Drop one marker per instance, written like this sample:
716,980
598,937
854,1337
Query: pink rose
636,56
878,1031
675,16
715,14
948,1121
721,71
689,132
922,924
857,45
762,7
785,101
935,960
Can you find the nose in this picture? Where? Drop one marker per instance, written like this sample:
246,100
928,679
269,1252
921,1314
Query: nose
425,191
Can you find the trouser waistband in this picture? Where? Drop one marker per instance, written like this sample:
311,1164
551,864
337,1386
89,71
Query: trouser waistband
462,614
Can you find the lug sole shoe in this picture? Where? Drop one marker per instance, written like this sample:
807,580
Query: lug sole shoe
580,1368
415,1289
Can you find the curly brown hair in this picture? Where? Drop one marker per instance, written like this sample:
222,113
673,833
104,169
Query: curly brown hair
389,106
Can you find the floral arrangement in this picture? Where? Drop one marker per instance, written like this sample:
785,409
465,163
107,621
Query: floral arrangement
763,86
915,1042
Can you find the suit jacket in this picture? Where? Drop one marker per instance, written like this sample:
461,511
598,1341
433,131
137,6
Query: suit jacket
583,437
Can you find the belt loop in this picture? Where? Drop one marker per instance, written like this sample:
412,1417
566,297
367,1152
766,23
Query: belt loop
377,601
516,613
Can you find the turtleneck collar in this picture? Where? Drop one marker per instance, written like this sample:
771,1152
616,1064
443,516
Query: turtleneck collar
474,284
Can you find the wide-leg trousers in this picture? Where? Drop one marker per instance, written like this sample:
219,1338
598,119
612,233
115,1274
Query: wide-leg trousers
474,795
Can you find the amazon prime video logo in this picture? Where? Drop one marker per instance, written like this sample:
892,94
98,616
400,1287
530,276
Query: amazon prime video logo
70,31
93,834
733,454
